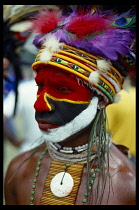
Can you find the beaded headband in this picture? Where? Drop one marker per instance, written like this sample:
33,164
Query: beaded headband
83,65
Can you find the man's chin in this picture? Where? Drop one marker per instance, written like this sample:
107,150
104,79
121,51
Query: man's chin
81,121
51,134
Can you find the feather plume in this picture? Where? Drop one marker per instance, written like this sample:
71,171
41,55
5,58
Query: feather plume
92,32
37,41
45,21
125,20
83,25
45,56
103,65
107,45
94,77
127,84
52,43
117,98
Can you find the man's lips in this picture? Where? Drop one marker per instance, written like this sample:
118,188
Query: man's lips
45,125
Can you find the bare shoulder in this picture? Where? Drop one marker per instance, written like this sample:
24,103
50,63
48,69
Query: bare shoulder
20,160
123,176
17,172
120,160
25,158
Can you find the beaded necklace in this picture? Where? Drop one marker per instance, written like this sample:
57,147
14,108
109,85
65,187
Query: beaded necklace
62,156
37,174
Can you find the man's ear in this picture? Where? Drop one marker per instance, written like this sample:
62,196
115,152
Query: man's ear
101,102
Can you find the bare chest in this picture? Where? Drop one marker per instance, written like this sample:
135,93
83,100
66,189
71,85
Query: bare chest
36,188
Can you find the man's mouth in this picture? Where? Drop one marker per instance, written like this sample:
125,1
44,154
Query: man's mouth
45,125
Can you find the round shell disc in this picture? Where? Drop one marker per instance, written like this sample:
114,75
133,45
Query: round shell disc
62,184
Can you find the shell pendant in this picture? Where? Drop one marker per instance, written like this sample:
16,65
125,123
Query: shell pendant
61,185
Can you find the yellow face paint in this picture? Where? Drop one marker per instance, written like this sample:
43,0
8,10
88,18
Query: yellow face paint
46,95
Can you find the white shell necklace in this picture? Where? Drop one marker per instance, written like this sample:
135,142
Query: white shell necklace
69,154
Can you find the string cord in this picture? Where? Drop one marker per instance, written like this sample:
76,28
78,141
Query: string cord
65,170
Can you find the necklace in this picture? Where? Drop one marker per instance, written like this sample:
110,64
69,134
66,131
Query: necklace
60,163
61,188
80,156
49,198
74,150
36,176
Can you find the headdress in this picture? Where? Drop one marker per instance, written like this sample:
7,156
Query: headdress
89,43
97,47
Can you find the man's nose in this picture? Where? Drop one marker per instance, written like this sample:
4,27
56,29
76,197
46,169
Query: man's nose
42,103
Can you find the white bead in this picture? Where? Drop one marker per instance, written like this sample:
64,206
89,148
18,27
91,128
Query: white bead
80,150
62,184
58,145
66,151
54,146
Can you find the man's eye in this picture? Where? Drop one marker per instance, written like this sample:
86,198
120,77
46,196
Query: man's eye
40,86
64,90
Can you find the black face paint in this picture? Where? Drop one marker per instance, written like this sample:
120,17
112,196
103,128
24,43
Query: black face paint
62,112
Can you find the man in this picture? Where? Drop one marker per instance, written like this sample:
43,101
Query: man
77,163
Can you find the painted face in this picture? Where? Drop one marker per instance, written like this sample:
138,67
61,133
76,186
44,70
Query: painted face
59,98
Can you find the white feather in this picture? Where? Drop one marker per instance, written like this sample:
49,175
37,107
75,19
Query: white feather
103,65
117,98
52,43
94,77
127,84
45,56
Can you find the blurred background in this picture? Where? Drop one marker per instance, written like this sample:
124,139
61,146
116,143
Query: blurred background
21,131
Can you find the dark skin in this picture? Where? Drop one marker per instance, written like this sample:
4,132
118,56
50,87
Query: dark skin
21,172
122,173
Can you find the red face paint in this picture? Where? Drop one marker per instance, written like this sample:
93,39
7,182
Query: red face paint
60,97
59,85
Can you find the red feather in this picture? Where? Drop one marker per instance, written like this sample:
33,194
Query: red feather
45,21
84,25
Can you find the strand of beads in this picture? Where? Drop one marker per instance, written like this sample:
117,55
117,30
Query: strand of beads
91,185
36,176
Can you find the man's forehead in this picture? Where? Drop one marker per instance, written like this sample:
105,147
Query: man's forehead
53,73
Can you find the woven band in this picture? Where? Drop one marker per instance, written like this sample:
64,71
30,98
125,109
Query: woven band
82,64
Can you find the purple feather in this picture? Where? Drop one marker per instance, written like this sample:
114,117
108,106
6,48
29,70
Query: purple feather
37,41
108,44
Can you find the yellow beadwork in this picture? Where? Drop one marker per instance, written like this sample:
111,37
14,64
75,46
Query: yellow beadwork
82,64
